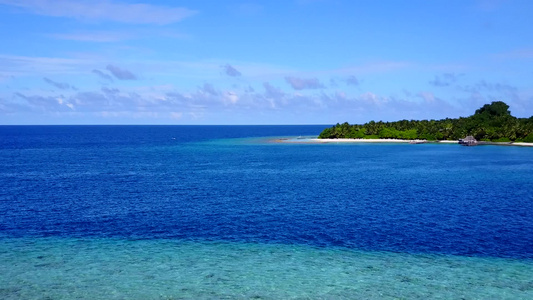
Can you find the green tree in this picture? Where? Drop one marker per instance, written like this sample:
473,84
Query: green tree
490,122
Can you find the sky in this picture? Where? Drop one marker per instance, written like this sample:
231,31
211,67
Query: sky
210,62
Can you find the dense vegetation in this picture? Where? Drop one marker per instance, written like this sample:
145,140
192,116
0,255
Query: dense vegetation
492,122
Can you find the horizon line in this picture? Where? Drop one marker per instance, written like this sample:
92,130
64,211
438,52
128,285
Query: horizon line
167,124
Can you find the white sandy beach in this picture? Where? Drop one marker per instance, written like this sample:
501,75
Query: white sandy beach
363,141
325,141
523,144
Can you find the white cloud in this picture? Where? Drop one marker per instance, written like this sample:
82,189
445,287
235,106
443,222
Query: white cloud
99,37
427,96
446,79
118,36
26,65
352,80
231,71
520,54
272,92
485,86
102,75
373,67
121,73
176,115
371,98
136,13
59,85
303,83
231,97
209,89
46,103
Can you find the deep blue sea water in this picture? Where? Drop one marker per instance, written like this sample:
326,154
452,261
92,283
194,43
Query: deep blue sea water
164,212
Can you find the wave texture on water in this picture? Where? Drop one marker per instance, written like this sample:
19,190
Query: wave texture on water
162,269
218,211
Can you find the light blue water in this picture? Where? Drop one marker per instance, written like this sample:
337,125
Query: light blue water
208,212
168,269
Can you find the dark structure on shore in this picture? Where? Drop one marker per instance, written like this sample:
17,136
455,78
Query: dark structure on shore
468,141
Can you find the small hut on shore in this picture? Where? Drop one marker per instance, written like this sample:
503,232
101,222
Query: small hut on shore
468,141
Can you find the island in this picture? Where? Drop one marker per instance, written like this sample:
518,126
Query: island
491,123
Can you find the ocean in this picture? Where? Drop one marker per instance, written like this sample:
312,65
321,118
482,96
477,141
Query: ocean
226,212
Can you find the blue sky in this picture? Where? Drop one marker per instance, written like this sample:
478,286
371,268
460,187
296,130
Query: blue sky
261,62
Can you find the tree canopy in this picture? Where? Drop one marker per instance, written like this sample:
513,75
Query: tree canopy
492,122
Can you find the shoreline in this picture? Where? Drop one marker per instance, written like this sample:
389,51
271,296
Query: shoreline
355,141
317,140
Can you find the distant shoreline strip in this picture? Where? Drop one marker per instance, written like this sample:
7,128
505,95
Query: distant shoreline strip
329,141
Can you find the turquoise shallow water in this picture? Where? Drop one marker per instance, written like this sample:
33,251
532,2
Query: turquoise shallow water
52,268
